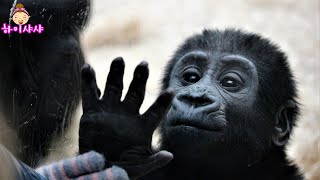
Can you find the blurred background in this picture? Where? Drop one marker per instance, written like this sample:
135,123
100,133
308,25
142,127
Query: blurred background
152,30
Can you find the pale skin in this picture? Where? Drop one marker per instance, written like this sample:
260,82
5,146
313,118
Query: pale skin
20,18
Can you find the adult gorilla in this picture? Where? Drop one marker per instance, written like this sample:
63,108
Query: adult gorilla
40,73
231,117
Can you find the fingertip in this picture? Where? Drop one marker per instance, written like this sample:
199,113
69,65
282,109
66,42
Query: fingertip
162,158
144,63
85,69
167,154
170,91
85,66
142,70
118,58
87,72
118,61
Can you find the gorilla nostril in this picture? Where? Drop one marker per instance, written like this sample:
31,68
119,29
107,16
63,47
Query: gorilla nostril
198,101
203,101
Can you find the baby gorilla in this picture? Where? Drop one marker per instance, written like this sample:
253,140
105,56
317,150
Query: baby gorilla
231,117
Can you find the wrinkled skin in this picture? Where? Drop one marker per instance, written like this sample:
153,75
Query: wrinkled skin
118,123
40,73
232,114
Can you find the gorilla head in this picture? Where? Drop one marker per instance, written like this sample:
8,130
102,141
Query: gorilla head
234,107
40,73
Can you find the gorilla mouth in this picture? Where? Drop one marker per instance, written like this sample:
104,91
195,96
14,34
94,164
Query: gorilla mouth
194,124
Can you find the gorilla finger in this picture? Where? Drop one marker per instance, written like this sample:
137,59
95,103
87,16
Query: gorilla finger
158,109
89,88
136,92
154,162
114,84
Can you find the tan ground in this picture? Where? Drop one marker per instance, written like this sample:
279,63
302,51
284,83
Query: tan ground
151,30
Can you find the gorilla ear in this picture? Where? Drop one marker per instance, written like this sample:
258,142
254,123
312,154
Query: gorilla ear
284,123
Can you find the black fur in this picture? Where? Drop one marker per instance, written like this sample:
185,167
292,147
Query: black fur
40,73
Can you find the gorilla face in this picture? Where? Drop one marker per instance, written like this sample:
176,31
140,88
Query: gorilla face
206,87
234,95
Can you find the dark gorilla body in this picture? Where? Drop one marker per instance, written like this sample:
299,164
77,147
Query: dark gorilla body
232,115
40,73
234,109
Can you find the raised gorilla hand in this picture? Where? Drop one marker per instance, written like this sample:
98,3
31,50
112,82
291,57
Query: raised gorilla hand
115,128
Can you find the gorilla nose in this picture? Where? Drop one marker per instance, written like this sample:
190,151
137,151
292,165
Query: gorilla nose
196,100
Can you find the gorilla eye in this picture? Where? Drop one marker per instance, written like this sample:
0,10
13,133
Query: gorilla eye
191,75
231,82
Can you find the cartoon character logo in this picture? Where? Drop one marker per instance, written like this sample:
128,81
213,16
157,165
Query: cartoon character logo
20,15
